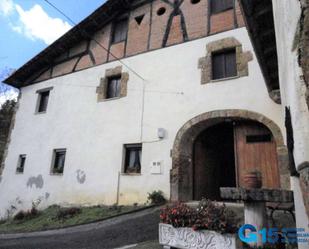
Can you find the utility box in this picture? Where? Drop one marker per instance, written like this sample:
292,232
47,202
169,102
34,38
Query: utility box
156,167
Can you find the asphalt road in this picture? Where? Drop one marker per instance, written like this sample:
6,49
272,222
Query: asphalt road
113,233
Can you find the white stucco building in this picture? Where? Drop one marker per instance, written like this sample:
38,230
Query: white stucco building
110,118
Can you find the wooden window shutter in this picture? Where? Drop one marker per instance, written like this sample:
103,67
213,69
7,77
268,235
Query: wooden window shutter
218,66
120,30
230,64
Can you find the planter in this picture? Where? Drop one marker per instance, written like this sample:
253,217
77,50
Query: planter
252,180
187,238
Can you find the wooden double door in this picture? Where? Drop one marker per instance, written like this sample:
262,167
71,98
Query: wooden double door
224,153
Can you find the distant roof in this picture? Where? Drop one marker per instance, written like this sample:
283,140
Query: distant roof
98,19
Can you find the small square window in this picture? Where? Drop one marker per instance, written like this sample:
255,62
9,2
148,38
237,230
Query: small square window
113,87
133,155
224,64
21,164
218,6
43,101
120,30
262,138
58,161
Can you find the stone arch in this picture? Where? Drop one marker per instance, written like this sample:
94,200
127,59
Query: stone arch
182,164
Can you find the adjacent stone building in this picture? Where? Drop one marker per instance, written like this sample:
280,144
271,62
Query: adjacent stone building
279,29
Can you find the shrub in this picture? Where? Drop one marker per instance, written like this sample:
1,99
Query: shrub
19,216
178,215
156,197
212,216
208,216
66,213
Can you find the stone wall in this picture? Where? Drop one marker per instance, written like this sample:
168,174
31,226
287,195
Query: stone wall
304,44
304,183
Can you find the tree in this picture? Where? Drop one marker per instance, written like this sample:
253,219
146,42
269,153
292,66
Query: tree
6,91
6,115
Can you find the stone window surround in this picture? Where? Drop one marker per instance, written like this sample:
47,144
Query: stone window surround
110,73
181,173
242,59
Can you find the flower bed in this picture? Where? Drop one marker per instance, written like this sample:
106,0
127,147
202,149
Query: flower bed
210,225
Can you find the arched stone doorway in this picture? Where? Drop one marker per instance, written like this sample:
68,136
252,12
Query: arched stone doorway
182,173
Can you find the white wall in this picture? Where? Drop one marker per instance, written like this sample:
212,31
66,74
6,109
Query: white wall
94,133
286,16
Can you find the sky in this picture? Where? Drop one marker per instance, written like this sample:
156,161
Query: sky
29,26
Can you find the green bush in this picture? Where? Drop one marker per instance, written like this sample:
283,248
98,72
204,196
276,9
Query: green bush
207,216
156,197
66,213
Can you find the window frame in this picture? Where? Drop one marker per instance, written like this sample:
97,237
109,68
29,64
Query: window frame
126,159
21,164
53,170
116,26
118,87
39,100
223,64
223,8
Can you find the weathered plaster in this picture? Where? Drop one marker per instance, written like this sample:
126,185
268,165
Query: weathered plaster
37,181
80,176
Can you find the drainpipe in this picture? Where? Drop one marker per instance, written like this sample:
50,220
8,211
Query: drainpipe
118,188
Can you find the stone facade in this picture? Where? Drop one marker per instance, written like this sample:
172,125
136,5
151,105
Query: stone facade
181,174
102,88
303,46
242,58
304,183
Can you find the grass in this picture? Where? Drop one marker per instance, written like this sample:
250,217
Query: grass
48,218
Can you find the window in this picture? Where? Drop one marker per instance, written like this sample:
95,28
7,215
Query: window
221,5
139,19
224,64
21,164
133,154
113,87
58,161
120,30
43,101
264,138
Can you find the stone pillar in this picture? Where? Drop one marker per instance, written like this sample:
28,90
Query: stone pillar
304,183
255,214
